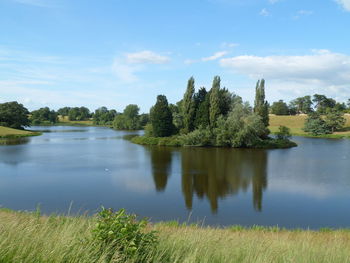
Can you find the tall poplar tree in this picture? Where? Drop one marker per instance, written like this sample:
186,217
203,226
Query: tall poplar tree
214,109
261,106
188,107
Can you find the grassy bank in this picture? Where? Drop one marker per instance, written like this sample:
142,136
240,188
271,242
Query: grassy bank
296,124
6,132
28,237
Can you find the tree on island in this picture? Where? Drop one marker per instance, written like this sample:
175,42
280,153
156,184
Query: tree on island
214,108
161,118
188,107
13,115
261,106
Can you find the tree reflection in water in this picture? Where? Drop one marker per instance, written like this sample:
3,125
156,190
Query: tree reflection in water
213,173
161,165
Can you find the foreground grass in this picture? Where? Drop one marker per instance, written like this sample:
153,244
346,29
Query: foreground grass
6,132
28,237
296,124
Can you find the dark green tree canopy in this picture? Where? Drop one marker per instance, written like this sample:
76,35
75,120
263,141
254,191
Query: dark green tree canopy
188,106
214,101
161,118
129,120
261,106
13,115
43,115
280,108
322,103
103,116
301,105
79,114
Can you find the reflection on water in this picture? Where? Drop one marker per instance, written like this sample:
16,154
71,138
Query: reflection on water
290,188
14,141
213,173
161,164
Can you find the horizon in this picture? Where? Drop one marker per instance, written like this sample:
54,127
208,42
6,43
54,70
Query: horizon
57,53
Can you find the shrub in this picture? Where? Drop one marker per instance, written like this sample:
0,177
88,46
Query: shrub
122,232
199,137
315,125
283,133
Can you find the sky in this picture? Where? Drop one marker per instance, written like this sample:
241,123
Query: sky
113,53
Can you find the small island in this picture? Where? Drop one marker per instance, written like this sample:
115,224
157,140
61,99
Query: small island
215,118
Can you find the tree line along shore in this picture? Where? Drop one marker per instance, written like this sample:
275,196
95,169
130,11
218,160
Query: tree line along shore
215,117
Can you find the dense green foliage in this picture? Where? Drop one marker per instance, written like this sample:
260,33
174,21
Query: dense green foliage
188,107
103,116
79,114
162,118
214,100
333,121
130,119
261,106
43,116
315,125
124,233
63,111
301,105
280,108
215,118
13,115
322,103
283,133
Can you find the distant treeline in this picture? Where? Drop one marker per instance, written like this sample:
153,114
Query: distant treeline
307,104
211,115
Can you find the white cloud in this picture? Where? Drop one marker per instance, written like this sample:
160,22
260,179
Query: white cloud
264,12
146,57
344,3
216,56
320,71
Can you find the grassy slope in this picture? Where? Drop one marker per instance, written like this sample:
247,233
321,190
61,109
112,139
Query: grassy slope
13,133
65,121
296,124
29,238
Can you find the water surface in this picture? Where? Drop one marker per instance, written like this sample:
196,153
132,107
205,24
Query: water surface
307,186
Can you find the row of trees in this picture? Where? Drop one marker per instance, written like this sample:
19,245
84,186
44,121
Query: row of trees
307,104
215,117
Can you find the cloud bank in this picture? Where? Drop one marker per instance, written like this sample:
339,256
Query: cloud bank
321,71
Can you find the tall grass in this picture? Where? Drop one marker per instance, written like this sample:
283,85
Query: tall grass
32,238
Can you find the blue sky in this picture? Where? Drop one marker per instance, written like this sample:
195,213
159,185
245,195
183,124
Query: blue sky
112,53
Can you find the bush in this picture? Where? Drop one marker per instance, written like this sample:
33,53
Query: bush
199,137
283,133
315,125
122,232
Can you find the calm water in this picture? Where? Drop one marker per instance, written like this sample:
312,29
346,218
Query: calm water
307,186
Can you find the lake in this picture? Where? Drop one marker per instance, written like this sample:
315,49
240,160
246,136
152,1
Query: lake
78,169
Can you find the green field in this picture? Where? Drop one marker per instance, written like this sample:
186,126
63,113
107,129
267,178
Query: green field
296,124
14,133
28,237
